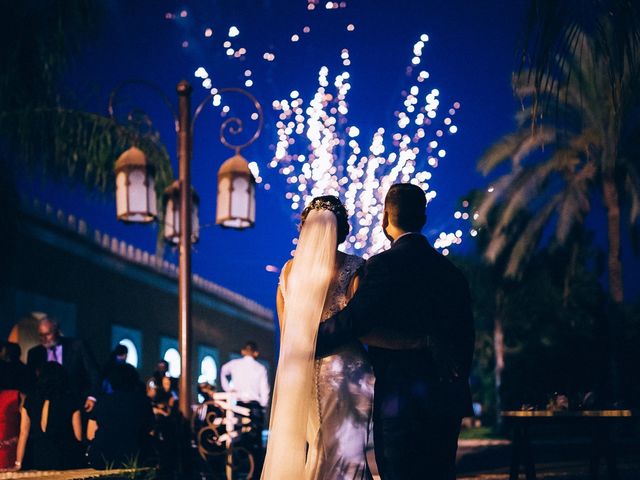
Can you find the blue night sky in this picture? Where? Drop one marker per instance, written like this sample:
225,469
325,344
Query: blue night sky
470,57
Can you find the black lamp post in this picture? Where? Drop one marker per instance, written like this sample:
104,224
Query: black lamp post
236,200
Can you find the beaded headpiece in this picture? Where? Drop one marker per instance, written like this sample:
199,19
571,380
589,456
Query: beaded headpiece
322,204
332,204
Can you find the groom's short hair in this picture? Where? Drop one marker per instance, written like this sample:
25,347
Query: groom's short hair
405,204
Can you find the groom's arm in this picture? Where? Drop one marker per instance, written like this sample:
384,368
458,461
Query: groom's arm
362,314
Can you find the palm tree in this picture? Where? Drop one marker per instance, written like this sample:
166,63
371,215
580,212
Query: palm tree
37,126
588,144
575,137
583,57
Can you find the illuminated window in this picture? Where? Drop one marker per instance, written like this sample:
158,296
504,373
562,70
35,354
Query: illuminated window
130,338
132,351
209,369
173,358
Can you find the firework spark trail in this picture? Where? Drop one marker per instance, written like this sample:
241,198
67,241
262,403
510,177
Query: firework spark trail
319,153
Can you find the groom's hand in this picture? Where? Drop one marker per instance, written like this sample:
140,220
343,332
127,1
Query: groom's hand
448,370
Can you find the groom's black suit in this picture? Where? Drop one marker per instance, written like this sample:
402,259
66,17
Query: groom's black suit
411,291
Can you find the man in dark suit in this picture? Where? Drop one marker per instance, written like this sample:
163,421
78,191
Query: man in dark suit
73,354
422,391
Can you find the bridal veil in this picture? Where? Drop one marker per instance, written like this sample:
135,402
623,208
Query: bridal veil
305,293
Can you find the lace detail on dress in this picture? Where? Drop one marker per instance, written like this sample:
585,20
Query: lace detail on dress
343,393
336,301
337,295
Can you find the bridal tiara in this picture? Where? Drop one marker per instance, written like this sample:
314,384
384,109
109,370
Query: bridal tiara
333,205
320,204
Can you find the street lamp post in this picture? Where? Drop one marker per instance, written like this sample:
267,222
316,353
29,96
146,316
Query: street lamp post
240,176
184,270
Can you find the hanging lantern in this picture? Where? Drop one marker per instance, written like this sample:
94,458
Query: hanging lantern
171,200
136,200
236,204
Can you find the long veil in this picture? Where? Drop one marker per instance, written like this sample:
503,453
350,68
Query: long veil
306,291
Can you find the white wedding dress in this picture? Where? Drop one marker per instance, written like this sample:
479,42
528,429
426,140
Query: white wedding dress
339,428
321,412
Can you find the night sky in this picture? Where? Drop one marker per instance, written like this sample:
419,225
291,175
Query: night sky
469,56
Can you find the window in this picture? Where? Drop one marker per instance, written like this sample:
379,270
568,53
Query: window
208,370
169,352
132,351
130,338
209,361
173,357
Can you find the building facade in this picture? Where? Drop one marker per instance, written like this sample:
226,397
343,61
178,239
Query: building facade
107,292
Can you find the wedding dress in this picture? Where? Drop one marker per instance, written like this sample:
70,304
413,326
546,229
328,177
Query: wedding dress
321,414
340,429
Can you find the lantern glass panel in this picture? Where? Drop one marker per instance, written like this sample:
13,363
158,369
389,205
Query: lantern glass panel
170,218
195,222
175,213
240,198
121,194
252,205
153,199
224,195
138,192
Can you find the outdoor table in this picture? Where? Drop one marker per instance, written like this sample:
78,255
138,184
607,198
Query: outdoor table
599,421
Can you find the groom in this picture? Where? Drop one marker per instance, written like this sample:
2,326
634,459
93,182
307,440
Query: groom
411,292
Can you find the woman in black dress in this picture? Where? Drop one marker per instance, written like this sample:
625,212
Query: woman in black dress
50,426
121,422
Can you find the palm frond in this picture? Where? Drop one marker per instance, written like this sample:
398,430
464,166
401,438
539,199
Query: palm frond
515,147
525,245
43,41
488,200
500,151
552,37
81,145
575,202
496,246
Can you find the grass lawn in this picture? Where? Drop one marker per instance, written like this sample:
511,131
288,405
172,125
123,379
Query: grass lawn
479,433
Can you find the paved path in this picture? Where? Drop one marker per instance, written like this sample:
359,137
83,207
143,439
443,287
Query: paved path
490,459
66,474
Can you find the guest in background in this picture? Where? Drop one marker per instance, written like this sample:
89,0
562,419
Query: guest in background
121,423
167,392
50,426
12,386
248,378
168,420
118,356
162,370
73,354
167,424
14,373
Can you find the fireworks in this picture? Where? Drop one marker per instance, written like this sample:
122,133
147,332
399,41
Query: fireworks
321,152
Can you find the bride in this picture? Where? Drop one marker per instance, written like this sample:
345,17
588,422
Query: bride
321,409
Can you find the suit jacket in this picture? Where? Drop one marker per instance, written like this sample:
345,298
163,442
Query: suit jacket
78,361
410,291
